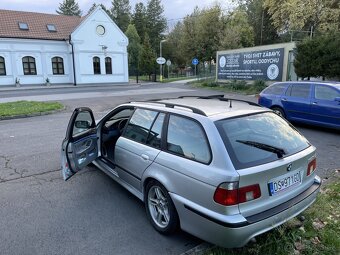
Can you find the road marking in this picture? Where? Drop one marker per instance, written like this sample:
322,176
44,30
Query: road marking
65,96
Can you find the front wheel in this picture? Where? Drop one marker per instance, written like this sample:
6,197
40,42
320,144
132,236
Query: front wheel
279,112
160,208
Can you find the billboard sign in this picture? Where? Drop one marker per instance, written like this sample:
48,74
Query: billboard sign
251,65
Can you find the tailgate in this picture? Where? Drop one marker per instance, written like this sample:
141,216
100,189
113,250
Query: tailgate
279,181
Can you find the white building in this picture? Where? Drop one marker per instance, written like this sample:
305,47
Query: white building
35,47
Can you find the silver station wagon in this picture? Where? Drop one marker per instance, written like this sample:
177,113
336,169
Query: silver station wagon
224,170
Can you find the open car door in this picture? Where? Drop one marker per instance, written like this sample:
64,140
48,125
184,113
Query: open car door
79,148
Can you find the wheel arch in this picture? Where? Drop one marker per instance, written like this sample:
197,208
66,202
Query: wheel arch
280,108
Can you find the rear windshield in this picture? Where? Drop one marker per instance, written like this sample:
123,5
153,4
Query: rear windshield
258,139
276,89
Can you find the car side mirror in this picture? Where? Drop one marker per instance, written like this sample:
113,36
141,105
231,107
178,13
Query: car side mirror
84,124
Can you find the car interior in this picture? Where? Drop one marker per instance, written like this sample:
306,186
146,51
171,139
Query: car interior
112,130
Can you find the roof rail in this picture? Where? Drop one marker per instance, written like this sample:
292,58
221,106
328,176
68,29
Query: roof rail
171,105
205,97
222,98
238,100
219,97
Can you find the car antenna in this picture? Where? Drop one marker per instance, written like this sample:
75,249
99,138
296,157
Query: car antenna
230,105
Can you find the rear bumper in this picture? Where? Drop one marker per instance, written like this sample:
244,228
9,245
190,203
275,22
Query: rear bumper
235,230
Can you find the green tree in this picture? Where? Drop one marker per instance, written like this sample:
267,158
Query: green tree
190,34
94,5
320,15
69,8
210,25
147,62
134,49
237,32
155,22
139,19
121,13
259,19
174,47
305,62
330,55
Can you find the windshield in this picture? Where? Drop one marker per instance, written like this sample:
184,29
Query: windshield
258,139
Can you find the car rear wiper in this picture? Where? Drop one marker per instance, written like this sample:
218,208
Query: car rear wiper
278,151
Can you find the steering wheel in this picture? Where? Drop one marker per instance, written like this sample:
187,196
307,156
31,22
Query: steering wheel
122,124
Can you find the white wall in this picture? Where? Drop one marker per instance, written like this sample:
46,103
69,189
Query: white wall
13,50
88,44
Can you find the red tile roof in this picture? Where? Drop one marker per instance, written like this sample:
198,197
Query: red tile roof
9,27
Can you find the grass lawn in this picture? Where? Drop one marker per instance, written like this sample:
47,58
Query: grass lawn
240,87
319,233
27,107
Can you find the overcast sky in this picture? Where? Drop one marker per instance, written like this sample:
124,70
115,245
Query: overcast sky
173,9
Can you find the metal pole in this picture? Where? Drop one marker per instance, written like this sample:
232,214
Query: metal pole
311,32
262,26
160,66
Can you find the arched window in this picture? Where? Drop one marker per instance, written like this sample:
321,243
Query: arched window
2,66
28,64
58,65
108,65
96,65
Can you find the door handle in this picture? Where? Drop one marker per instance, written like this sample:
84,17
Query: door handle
145,157
284,99
314,103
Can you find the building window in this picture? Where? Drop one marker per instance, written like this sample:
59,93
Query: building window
108,65
96,65
23,26
58,65
51,28
2,66
29,66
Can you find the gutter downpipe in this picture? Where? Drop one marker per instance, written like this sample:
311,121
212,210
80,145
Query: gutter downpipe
73,63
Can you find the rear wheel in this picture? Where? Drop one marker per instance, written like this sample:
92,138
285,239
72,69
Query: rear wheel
160,208
279,112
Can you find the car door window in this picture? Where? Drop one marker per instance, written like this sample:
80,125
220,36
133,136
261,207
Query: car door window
139,125
155,134
300,90
325,93
82,123
186,138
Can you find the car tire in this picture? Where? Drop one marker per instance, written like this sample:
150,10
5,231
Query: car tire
160,209
279,112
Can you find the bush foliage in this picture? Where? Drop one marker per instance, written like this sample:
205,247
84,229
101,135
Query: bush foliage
318,57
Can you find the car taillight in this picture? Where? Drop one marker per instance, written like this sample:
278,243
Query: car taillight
228,193
311,167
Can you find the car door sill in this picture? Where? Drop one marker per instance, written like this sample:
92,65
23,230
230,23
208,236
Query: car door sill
101,164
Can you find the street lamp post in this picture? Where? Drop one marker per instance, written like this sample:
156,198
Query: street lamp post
160,55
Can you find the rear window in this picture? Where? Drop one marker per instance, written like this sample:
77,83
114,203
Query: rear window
258,139
276,89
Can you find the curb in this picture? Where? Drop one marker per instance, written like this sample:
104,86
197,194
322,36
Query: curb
32,115
55,87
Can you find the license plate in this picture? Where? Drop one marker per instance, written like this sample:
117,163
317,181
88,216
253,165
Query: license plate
284,182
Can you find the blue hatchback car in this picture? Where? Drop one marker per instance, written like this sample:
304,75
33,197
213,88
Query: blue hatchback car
311,102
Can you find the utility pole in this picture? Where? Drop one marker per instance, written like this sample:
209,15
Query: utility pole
160,55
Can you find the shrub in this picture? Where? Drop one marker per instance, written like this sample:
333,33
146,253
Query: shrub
259,85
